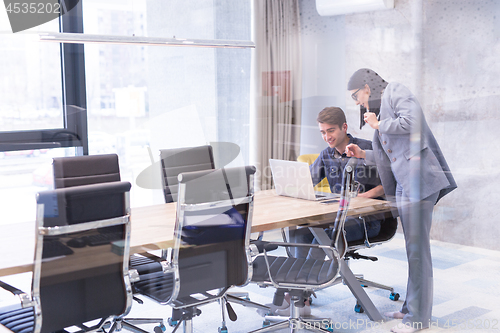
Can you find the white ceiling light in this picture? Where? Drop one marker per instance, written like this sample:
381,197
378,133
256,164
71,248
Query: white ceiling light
342,7
136,40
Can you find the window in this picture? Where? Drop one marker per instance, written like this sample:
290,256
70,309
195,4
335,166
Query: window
38,118
31,79
141,97
121,99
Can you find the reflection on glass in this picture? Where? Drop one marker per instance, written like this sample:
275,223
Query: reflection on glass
75,271
213,227
165,97
81,243
22,175
31,79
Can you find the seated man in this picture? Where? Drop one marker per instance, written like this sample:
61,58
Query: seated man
330,164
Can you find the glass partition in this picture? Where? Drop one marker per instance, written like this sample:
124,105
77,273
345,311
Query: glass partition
444,52
31,79
154,97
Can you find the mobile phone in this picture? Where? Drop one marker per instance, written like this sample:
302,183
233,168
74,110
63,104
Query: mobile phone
328,202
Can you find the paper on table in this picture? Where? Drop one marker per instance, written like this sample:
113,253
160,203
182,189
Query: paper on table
216,219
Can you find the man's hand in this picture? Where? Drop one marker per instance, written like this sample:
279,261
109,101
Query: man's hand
375,192
353,150
371,119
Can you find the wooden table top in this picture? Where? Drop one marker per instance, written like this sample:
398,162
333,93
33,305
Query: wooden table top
152,226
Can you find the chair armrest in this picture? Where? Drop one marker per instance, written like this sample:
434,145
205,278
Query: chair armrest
147,264
260,244
253,251
167,266
10,288
133,275
23,301
273,245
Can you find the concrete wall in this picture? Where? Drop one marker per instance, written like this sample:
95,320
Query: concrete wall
323,67
456,79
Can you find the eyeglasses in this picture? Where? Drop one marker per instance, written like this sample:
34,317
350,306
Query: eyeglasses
355,94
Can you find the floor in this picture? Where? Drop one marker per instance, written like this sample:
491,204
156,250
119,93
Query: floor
466,294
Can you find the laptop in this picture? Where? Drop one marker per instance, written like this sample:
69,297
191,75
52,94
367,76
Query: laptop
293,179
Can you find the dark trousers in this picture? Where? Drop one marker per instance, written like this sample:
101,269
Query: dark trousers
416,219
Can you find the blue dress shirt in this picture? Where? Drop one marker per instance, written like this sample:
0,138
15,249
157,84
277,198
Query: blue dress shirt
330,164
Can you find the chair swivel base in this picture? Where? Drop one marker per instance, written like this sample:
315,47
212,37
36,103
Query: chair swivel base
241,295
246,302
183,316
129,324
295,323
367,283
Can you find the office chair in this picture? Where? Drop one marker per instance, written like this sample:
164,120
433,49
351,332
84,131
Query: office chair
85,170
173,162
95,169
214,213
178,160
300,277
73,286
387,232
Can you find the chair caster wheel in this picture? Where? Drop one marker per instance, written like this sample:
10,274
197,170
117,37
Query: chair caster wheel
223,329
394,296
172,323
358,308
160,328
310,300
266,323
328,327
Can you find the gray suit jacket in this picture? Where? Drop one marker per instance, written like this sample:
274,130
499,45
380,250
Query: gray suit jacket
399,112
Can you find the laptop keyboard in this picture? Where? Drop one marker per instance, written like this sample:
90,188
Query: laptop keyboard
54,248
101,239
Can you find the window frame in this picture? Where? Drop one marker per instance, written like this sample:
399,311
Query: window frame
74,100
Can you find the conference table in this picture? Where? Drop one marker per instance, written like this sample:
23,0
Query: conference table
152,229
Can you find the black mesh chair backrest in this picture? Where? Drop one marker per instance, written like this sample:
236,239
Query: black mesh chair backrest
388,228
176,161
213,224
85,170
76,278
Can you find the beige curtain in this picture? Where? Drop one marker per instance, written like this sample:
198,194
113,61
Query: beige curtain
276,85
